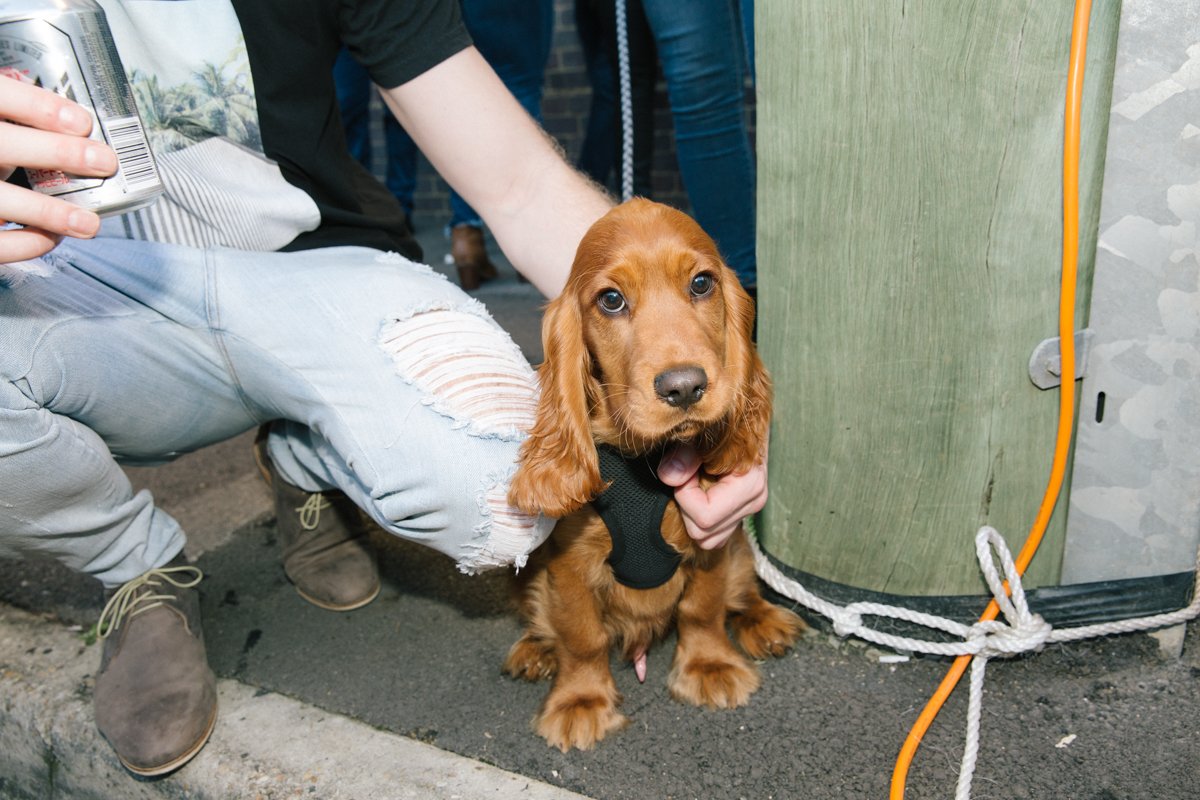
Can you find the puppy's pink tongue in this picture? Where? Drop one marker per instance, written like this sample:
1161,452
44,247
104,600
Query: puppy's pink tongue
639,665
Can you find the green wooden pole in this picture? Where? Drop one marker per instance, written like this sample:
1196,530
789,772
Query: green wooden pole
910,158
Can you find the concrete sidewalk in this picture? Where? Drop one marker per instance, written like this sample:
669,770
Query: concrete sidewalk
266,746
404,698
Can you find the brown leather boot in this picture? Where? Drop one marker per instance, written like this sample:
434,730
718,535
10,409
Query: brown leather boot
470,256
155,696
324,538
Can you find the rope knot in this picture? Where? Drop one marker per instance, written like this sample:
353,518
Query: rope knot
1022,631
1002,640
846,622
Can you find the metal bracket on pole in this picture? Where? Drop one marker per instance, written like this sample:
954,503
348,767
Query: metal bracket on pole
1045,364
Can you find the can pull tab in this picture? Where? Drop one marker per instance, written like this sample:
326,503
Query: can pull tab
1045,364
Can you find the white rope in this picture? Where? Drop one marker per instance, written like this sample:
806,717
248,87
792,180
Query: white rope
1020,631
626,102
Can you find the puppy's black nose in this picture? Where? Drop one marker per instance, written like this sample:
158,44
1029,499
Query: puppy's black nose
682,386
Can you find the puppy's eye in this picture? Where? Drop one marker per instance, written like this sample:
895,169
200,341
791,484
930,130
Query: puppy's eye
611,301
702,285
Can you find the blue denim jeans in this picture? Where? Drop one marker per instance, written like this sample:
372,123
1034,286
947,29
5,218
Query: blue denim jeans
394,387
354,89
703,56
601,154
514,37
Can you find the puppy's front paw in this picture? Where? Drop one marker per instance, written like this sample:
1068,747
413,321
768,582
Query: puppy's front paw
531,659
579,720
714,682
766,630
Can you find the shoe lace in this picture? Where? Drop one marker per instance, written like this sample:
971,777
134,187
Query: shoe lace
310,512
138,595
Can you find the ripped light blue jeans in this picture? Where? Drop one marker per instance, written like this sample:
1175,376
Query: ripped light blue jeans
392,384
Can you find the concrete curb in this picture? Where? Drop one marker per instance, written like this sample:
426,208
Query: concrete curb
265,746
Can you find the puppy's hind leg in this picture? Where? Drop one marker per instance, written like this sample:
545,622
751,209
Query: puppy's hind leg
760,628
763,629
531,658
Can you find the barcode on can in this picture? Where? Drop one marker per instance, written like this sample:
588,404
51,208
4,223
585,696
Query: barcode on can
136,165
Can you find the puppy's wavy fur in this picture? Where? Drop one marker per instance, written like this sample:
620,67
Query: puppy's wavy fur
648,295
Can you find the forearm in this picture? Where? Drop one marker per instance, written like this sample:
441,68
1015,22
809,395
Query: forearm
497,157
544,217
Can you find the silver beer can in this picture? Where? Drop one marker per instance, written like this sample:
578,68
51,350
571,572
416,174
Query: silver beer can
66,46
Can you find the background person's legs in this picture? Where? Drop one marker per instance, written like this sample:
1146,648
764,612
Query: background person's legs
515,39
354,91
702,51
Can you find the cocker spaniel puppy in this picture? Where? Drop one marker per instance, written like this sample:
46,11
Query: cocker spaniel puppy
648,345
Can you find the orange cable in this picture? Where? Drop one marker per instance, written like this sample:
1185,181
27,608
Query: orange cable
1066,405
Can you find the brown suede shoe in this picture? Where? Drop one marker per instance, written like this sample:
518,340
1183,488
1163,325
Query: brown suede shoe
327,553
155,696
470,256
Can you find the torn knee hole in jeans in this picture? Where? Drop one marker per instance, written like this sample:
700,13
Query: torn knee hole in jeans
507,536
466,366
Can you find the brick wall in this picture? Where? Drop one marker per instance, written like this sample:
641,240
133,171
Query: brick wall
565,103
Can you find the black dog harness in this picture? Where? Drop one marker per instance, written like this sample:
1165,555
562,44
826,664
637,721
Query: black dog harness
632,507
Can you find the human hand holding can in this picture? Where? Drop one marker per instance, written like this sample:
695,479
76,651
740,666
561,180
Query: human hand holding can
64,48
43,130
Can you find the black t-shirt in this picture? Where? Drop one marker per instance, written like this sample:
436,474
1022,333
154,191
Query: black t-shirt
240,106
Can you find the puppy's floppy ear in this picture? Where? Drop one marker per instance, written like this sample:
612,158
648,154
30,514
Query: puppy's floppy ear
559,470
746,431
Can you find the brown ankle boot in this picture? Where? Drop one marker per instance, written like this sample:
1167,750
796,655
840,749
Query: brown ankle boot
470,256
324,539
155,696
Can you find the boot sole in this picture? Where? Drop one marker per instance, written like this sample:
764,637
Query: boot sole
331,607
174,764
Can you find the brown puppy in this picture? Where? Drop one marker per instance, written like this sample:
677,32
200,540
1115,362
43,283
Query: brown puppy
648,345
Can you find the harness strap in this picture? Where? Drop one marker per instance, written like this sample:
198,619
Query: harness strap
632,507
